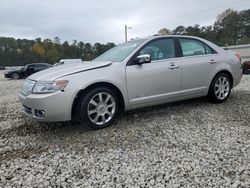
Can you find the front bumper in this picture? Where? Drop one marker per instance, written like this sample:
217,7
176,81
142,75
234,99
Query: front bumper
54,106
7,75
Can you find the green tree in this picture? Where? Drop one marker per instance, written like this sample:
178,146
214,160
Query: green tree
180,30
194,30
53,56
164,31
227,27
38,49
88,52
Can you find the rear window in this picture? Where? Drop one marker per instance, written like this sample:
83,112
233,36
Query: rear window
41,66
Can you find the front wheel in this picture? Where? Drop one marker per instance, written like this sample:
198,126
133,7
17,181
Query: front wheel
15,76
220,88
98,108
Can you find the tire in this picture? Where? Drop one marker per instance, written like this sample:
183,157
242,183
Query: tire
220,88
98,108
15,76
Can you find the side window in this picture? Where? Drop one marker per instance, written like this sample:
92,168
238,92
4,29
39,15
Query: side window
159,49
208,50
37,67
30,67
192,47
42,66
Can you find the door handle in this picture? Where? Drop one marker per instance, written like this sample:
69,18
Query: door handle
173,66
212,61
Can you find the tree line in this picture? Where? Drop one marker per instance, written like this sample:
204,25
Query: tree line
230,28
14,52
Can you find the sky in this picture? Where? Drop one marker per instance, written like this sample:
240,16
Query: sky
104,20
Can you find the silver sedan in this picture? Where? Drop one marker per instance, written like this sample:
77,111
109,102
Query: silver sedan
132,75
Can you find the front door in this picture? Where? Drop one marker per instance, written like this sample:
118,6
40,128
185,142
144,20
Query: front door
157,81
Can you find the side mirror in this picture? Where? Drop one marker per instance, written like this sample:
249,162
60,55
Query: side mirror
145,58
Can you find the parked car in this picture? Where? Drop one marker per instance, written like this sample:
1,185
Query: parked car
246,67
2,68
132,75
26,71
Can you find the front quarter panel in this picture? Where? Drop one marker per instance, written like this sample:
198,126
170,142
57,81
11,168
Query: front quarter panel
113,74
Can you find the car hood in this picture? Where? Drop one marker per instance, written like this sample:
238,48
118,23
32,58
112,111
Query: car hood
15,70
54,73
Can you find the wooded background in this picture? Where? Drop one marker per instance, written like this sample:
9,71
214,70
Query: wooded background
230,28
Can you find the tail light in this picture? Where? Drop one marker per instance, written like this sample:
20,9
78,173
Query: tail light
238,56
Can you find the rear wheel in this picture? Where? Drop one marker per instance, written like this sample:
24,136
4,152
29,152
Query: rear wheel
15,76
220,88
98,108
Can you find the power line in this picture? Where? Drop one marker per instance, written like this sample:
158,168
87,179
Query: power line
192,13
142,31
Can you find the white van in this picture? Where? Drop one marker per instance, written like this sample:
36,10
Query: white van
68,61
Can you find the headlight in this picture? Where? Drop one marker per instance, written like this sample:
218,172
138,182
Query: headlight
28,87
50,87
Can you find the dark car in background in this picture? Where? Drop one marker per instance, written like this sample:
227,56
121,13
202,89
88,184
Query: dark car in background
2,68
26,71
246,67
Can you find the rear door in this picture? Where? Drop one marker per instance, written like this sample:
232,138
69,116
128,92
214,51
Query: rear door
158,81
198,62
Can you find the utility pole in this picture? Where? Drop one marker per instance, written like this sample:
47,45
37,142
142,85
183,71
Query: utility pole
126,32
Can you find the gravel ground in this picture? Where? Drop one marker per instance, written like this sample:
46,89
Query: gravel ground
186,144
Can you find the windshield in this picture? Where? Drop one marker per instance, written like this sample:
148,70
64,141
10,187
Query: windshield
120,52
25,68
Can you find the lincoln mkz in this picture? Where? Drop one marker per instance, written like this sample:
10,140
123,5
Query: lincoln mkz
136,74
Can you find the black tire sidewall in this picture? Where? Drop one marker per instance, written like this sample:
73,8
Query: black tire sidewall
12,76
83,107
212,95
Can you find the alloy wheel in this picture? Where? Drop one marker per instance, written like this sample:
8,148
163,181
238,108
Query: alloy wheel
101,108
222,87
15,76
